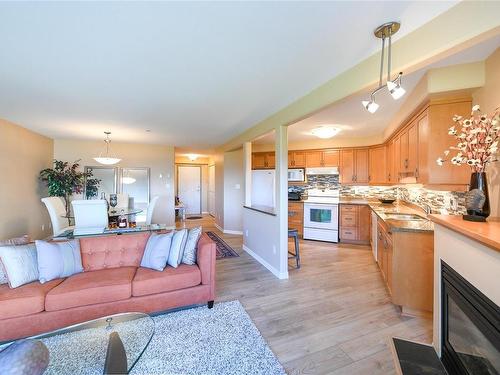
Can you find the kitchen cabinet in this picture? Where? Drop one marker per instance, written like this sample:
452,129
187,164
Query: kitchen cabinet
296,159
263,160
390,163
433,123
354,167
347,166
397,157
378,165
408,158
296,216
322,158
406,262
355,223
331,158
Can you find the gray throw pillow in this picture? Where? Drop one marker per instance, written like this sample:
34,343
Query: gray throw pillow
23,240
20,264
189,256
156,251
58,259
177,248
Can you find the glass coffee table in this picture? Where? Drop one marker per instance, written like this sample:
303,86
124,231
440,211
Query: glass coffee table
83,348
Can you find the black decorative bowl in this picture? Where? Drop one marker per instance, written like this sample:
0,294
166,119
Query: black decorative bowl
387,200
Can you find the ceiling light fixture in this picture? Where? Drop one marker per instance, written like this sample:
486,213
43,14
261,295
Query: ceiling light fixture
192,157
386,31
325,132
108,158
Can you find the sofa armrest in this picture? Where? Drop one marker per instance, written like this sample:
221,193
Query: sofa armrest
205,256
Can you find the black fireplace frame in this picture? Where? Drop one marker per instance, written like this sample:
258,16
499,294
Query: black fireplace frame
480,310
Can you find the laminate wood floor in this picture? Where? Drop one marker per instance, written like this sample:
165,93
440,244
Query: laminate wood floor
332,316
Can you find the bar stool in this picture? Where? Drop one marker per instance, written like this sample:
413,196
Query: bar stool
295,234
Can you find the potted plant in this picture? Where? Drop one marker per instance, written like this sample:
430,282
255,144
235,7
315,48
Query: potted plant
477,146
64,180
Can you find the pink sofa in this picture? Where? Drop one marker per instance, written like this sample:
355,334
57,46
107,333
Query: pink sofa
112,282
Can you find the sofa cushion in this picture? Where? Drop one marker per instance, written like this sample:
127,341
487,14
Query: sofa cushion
25,300
148,281
89,288
113,251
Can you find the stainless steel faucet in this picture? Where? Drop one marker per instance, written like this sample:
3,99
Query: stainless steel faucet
427,208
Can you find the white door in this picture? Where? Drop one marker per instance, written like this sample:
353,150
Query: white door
189,188
211,190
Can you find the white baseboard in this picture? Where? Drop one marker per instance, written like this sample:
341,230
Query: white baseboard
238,232
258,258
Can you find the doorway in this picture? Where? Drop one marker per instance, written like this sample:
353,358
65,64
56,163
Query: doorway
189,188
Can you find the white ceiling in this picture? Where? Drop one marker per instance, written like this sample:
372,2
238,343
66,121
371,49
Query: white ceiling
355,122
194,73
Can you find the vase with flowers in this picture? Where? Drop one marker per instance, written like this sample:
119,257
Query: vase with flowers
477,146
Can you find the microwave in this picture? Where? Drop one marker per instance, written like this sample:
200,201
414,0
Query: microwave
296,175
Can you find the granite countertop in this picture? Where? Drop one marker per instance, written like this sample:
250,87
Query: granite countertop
381,209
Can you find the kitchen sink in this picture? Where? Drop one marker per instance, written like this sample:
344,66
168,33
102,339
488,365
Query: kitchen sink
401,216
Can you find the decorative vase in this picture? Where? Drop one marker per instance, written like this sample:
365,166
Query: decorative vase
477,201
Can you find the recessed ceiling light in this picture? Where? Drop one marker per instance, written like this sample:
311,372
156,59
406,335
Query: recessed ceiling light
325,132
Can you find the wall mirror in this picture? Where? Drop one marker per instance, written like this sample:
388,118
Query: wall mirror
103,180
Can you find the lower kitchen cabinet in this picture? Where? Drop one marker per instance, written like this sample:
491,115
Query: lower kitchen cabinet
406,261
296,217
355,223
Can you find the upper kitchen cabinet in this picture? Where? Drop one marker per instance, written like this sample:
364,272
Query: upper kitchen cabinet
433,123
263,160
322,158
296,159
378,165
331,158
409,150
354,167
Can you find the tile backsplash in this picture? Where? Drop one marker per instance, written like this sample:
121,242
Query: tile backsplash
444,202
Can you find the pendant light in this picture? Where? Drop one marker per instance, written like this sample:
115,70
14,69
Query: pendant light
385,31
108,158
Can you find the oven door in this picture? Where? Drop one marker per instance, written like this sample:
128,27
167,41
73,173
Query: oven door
321,216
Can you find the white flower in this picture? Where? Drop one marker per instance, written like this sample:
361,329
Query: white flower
475,108
488,139
446,152
440,161
471,162
457,118
452,131
467,122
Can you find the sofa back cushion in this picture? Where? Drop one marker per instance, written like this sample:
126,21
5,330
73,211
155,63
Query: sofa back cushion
113,251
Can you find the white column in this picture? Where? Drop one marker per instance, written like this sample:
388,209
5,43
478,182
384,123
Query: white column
282,195
247,165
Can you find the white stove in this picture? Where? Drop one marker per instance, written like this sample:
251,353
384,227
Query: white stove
321,215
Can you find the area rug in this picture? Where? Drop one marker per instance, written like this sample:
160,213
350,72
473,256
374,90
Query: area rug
223,249
218,341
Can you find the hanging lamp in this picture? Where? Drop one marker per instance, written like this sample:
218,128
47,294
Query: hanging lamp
108,158
385,31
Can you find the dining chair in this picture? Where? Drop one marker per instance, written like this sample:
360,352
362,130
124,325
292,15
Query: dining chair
122,200
57,213
91,216
151,208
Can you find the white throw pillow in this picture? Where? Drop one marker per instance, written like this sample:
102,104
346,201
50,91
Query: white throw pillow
20,264
157,250
58,259
177,248
189,256
23,240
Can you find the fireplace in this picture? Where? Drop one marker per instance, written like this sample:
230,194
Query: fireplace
470,326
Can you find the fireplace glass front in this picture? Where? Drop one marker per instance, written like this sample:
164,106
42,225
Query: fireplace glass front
471,337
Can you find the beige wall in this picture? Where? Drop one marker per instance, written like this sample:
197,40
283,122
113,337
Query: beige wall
234,193
160,160
23,154
488,97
